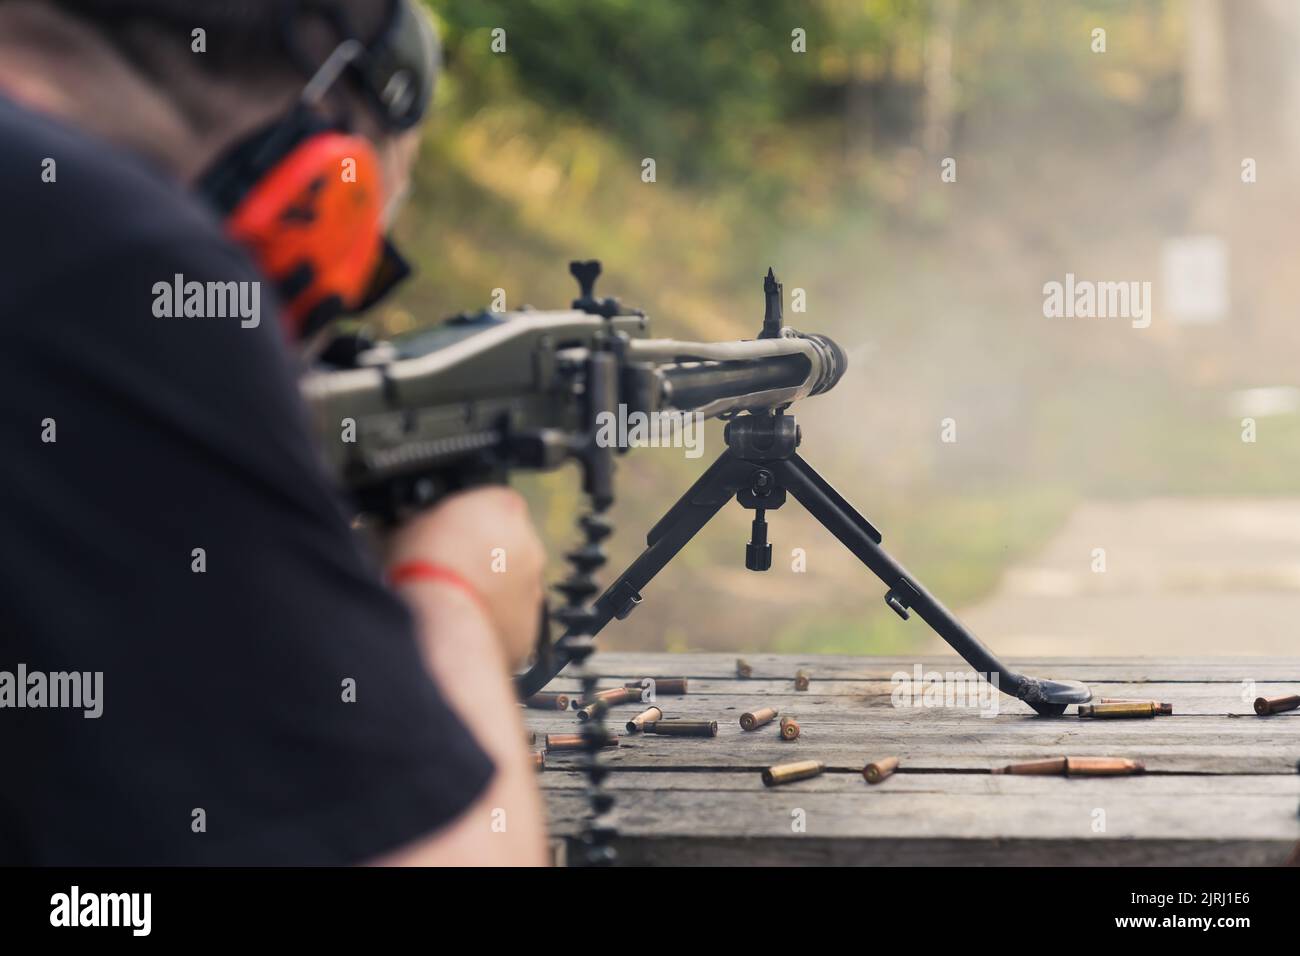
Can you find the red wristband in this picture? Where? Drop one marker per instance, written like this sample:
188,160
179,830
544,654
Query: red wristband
428,571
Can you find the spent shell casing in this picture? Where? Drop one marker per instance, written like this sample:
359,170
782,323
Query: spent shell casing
1052,766
1139,708
789,728
539,760
647,716
596,707
1163,707
743,669
801,680
668,686
620,695
573,742
758,718
681,728
878,770
1077,767
789,772
548,702
611,696
1102,766
1276,705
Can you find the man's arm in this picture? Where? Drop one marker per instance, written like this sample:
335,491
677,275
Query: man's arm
504,826
470,644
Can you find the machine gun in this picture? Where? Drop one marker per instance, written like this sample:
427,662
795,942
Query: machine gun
484,394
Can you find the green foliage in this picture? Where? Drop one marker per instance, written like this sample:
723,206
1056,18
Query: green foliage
691,84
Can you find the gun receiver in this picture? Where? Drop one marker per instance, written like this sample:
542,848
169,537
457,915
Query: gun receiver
485,394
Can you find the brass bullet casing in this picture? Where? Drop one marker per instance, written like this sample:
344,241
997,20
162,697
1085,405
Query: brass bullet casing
539,760
610,696
1163,708
573,742
1102,767
878,770
1129,709
548,702
620,695
1276,705
743,669
682,728
1077,767
789,772
664,686
758,718
596,707
789,728
647,716
1051,767
801,680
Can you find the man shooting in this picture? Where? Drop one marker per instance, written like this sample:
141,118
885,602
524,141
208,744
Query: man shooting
266,698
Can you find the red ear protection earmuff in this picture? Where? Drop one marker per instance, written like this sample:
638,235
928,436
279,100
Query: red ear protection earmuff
306,197
313,224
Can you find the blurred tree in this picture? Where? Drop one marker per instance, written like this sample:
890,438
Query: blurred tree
938,79
687,83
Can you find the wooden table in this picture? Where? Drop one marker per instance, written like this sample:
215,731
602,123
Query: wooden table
1221,785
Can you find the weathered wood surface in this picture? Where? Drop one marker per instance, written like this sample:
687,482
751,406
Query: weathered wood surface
1221,785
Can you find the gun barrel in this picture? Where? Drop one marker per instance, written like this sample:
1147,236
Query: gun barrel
713,378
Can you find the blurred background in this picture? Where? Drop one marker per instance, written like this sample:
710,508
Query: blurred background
1072,486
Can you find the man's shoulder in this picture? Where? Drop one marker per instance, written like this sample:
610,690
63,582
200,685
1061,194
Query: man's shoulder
68,196
104,249
124,288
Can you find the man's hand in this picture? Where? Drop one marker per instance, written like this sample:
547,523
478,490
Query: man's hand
463,533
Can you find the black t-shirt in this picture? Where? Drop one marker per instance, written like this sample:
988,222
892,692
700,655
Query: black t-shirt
128,442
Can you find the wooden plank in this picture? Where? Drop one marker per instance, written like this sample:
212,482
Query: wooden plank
1188,698
756,828
908,781
939,739
821,719
920,756
882,811
629,666
1158,759
835,697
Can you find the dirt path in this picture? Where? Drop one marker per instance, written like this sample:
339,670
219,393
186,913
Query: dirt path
1181,576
